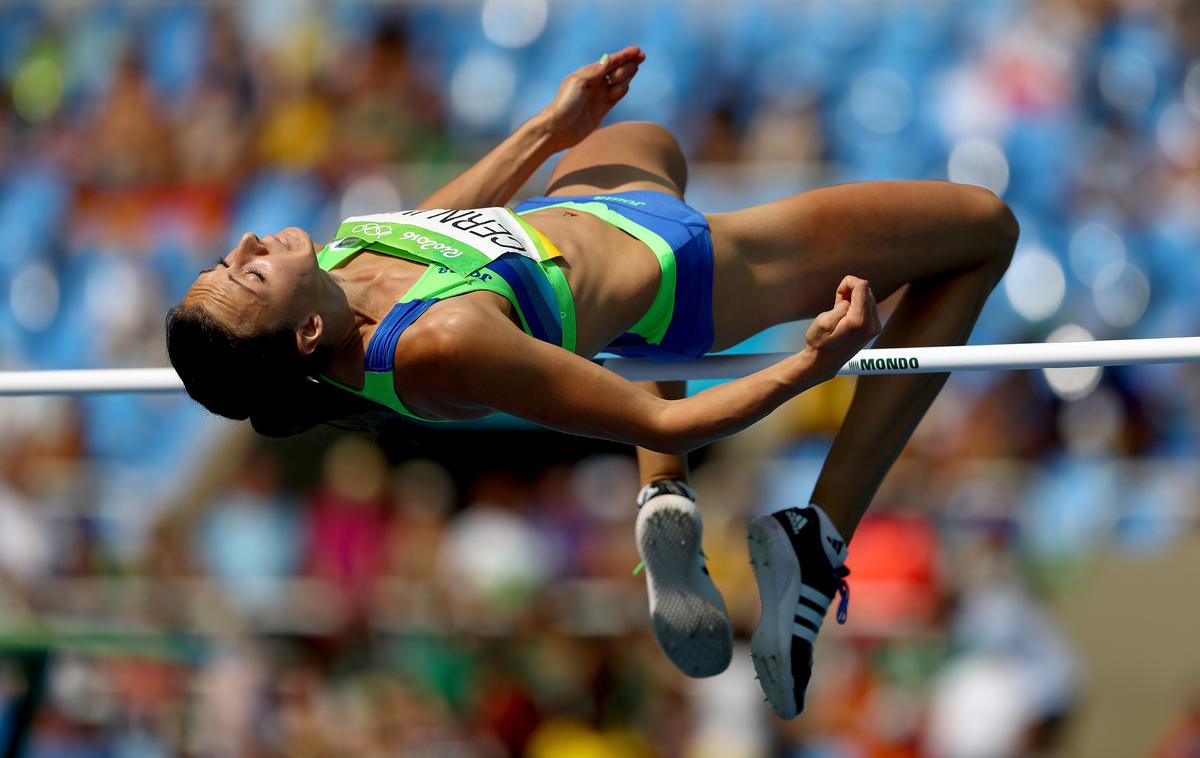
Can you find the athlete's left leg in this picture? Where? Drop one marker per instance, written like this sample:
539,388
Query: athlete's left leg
950,245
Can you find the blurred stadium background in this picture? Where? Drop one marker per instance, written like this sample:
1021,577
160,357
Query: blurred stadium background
170,585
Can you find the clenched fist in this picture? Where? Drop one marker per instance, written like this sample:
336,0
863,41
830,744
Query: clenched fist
837,334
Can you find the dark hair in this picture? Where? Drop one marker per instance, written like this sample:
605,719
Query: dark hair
261,377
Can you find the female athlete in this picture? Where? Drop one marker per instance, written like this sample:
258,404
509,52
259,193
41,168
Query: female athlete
462,308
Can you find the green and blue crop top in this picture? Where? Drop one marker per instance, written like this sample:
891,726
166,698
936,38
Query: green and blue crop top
489,249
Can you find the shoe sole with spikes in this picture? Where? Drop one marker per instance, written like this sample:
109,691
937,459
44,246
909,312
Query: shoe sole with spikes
687,613
777,572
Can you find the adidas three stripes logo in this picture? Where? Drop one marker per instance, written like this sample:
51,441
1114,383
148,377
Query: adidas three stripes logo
810,613
797,521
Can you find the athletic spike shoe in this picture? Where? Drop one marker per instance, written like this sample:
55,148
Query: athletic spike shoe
686,610
798,559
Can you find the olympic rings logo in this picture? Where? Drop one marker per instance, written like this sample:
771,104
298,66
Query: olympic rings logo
372,230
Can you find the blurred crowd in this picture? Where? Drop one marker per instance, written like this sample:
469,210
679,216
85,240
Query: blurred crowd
376,605
202,600
372,614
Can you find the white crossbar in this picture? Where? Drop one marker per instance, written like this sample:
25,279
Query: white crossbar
916,360
928,360
88,381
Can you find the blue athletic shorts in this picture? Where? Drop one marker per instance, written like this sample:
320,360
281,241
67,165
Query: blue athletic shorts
679,324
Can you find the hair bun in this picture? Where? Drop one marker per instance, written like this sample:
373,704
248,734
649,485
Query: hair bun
287,409
261,377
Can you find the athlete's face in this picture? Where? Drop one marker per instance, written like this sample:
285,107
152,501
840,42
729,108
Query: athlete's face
262,284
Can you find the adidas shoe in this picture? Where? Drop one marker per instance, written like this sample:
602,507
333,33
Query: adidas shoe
798,558
686,610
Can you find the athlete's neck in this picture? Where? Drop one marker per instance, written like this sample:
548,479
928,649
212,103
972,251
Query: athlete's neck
343,321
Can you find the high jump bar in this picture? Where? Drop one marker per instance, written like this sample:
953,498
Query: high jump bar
913,360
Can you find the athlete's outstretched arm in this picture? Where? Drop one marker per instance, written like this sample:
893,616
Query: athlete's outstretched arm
653,465
473,358
582,101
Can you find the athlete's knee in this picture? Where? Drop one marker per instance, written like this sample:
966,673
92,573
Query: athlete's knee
657,139
1006,231
996,226
638,131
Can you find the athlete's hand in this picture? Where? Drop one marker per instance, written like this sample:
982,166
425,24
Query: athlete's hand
587,95
837,334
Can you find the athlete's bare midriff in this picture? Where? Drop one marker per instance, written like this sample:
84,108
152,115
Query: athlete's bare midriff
613,277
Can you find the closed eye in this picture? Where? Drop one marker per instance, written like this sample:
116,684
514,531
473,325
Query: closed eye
251,272
221,262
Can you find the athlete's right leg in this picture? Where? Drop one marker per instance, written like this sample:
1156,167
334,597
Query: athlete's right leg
631,155
687,612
